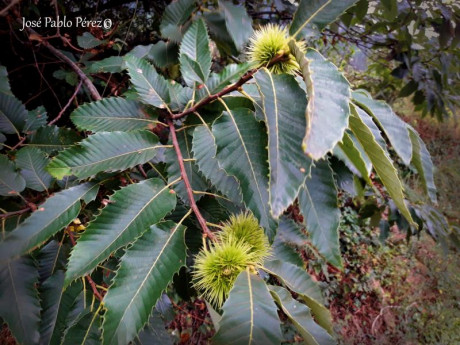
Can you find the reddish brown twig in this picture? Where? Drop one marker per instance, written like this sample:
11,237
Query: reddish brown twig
19,143
88,278
234,87
14,213
188,187
68,104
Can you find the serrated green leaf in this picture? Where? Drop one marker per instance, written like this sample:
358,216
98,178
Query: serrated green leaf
19,303
52,138
145,271
204,150
155,332
88,41
328,97
52,257
197,181
230,74
164,54
4,82
180,95
112,64
381,162
111,114
239,24
35,119
175,16
289,232
299,281
70,303
51,294
130,212
50,217
86,331
250,314
13,114
394,128
105,151
421,159
195,56
301,318
319,205
354,157
11,181
314,15
151,86
284,104
241,142
219,33
32,163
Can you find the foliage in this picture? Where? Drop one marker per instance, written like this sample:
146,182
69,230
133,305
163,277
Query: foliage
188,137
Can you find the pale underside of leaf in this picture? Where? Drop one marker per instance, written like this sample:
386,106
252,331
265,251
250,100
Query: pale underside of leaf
381,162
319,206
328,102
284,104
250,314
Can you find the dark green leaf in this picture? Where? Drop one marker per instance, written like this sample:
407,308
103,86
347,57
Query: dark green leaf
421,159
11,181
19,303
319,206
13,115
195,56
130,212
299,281
300,316
111,114
32,163
241,142
88,41
112,64
204,150
315,15
151,86
105,151
145,271
52,138
238,23
35,119
50,217
175,16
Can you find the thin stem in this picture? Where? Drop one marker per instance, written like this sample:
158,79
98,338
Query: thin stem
68,104
245,78
188,187
88,278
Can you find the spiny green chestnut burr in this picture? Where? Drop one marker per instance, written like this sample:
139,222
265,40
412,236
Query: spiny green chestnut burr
216,269
245,228
271,41
240,244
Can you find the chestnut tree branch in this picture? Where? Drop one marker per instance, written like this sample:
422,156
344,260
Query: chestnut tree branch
188,187
234,87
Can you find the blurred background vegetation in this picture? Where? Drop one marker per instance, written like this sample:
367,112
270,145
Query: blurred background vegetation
406,52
